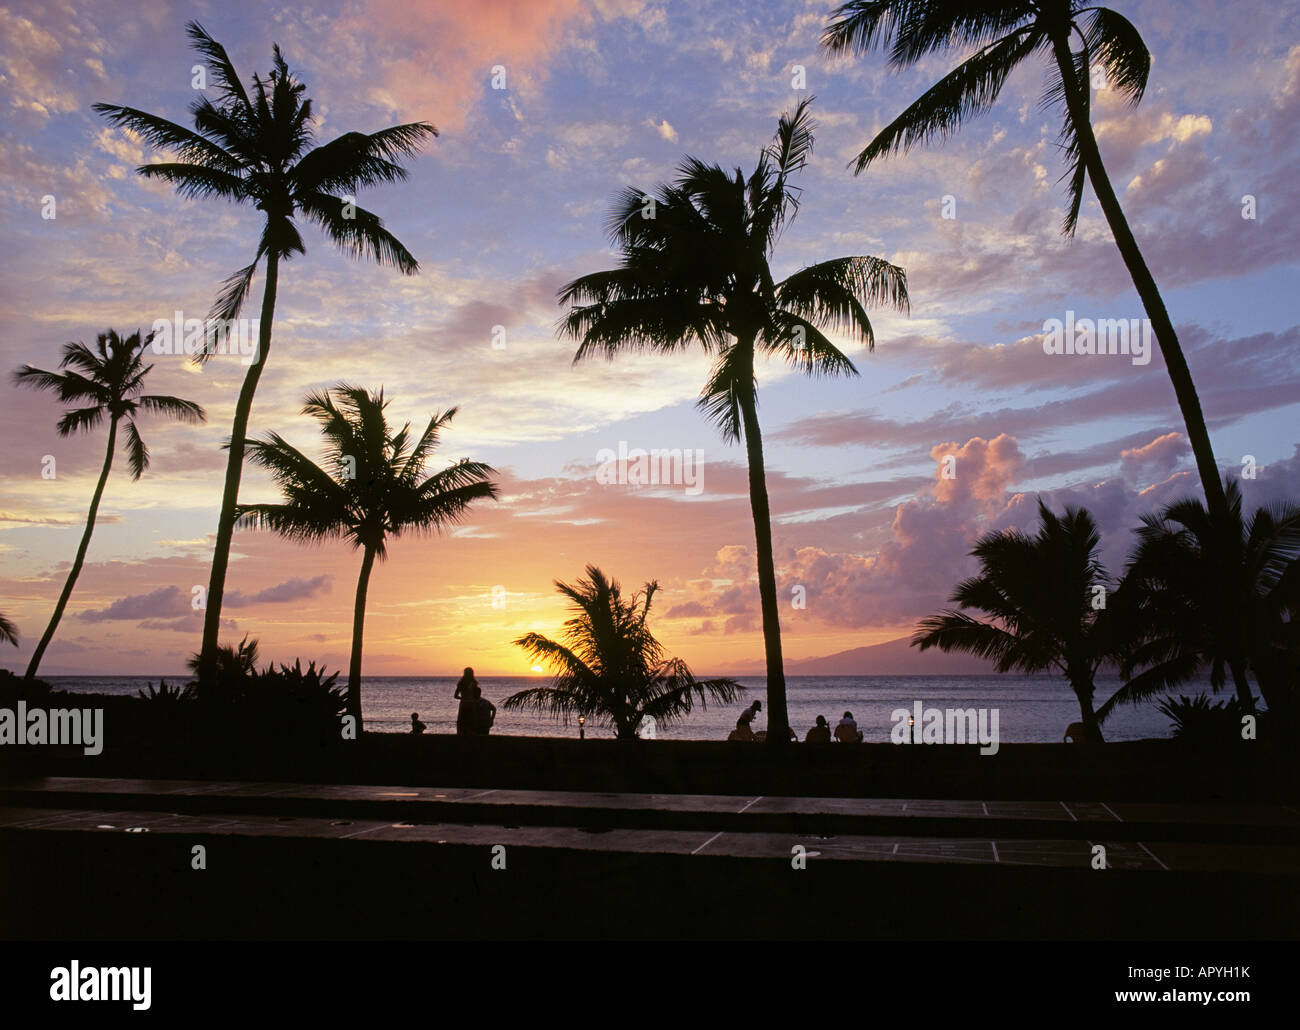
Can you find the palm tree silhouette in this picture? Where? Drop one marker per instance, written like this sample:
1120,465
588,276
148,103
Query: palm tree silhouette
1216,593
259,149
694,269
1005,33
105,381
611,668
8,631
372,486
235,665
1038,593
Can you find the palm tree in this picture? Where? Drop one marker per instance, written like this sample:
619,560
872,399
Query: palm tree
1216,594
695,269
104,381
1005,33
8,631
372,486
1038,595
611,668
259,148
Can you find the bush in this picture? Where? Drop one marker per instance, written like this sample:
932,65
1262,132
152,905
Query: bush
284,706
293,702
166,696
1200,722
15,688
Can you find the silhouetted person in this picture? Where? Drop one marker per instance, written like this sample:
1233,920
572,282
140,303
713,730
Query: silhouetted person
416,725
464,683
485,714
743,730
846,730
820,733
467,691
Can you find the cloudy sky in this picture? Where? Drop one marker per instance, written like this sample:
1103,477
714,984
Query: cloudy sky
509,202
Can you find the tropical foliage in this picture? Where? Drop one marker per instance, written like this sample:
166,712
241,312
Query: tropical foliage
1216,594
371,487
1002,35
1199,721
102,382
611,669
695,270
1038,594
258,147
275,705
165,696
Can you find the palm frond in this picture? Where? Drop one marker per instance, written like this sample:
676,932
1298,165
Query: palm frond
356,160
358,232
174,407
161,134
230,300
81,420
194,180
137,453
968,90
227,78
1118,46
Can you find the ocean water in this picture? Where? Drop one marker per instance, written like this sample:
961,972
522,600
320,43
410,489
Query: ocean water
1031,709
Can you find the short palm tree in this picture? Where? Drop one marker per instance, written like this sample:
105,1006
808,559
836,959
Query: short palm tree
612,670
258,147
235,665
8,631
1004,33
104,381
695,270
1038,593
371,487
1216,595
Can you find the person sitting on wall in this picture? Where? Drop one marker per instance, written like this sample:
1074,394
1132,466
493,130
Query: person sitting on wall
846,730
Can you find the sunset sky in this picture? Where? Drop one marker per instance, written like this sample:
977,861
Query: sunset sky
509,203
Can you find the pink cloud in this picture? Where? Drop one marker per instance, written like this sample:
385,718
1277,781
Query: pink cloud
433,59
1159,457
981,469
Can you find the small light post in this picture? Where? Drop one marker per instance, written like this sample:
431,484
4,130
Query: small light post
582,727
911,727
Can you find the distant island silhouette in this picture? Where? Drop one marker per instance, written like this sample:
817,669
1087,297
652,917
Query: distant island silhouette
892,658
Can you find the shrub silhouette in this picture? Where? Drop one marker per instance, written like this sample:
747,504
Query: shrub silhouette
1203,723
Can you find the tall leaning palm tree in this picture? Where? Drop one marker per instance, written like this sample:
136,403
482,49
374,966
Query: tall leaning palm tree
371,487
1075,36
258,147
610,666
1037,593
695,270
103,381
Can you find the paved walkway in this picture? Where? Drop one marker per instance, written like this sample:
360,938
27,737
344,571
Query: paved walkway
1137,836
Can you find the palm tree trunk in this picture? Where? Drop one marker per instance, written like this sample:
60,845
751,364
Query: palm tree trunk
778,720
1091,727
77,562
358,629
234,468
1242,684
1185,390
